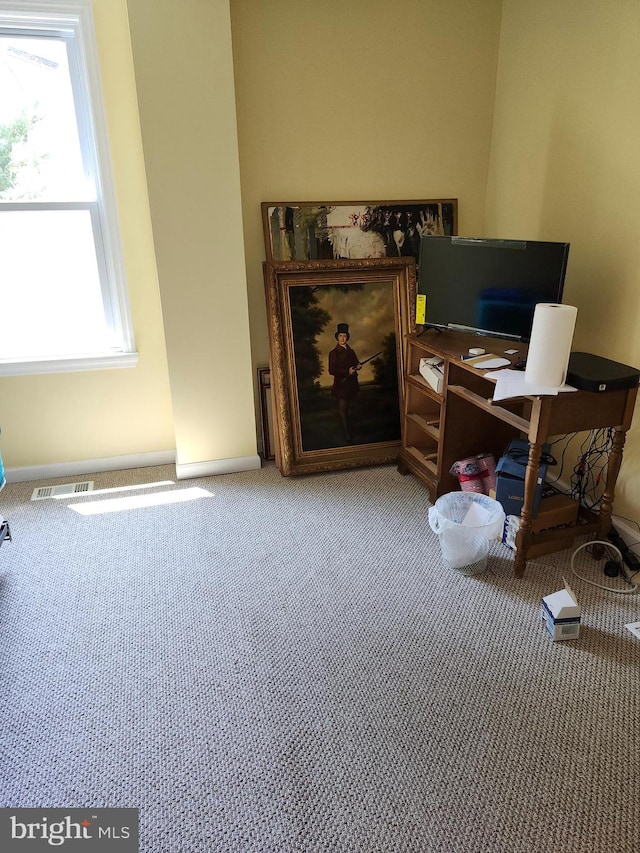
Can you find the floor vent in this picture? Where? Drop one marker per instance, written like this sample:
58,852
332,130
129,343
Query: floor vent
43,492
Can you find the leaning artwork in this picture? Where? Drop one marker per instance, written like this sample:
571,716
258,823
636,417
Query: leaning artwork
302,230
336,332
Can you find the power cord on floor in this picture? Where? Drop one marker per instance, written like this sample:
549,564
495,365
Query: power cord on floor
618,553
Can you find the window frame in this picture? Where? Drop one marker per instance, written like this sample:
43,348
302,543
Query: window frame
73,21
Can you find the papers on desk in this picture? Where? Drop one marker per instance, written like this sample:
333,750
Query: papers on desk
511,383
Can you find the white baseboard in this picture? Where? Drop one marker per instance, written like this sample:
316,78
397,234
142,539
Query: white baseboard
217,466
135,460
90,466
629,534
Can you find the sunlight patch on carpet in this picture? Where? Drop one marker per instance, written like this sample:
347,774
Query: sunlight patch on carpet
138,501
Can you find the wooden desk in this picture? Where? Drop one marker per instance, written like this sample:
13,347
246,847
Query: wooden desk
439,429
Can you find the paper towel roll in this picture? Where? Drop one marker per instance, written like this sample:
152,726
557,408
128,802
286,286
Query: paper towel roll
550,344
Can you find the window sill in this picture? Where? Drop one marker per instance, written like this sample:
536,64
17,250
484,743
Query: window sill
104,361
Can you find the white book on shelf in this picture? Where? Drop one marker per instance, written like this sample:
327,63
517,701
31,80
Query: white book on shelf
431,369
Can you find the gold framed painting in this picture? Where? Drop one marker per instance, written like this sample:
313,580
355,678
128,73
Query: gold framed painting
336,334
324,230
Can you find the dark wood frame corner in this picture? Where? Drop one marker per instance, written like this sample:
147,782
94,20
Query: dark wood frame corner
266,425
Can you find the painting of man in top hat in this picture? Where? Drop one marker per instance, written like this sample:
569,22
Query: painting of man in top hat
345,346
336,333
344,367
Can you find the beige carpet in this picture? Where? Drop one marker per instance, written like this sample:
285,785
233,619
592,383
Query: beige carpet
284,665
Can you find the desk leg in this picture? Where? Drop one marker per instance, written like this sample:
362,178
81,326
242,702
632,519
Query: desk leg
523,537
606,502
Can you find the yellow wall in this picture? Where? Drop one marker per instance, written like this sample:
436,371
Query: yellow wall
565,166
336,100
74,416
193,388
360,100
184,76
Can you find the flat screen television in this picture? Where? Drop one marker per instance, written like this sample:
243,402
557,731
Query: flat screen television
489,287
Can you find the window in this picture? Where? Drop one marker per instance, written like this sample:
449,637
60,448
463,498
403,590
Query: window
63,303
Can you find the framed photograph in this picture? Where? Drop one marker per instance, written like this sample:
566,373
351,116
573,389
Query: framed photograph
324,230
266,412
336,332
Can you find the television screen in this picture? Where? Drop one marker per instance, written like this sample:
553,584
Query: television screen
489,287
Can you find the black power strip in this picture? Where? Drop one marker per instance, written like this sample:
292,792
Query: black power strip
631,559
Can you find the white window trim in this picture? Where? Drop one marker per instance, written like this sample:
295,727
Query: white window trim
78,16
67,364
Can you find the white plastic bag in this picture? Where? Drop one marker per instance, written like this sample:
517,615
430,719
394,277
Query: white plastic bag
465,523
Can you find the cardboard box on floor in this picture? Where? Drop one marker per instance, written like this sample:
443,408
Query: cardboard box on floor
556,510
561,613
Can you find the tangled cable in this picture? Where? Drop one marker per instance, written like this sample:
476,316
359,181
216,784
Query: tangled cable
633,586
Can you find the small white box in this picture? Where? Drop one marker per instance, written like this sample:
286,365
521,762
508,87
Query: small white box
510,530
561,613
431,370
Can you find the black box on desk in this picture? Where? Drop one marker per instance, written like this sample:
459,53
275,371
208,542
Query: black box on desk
510,474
